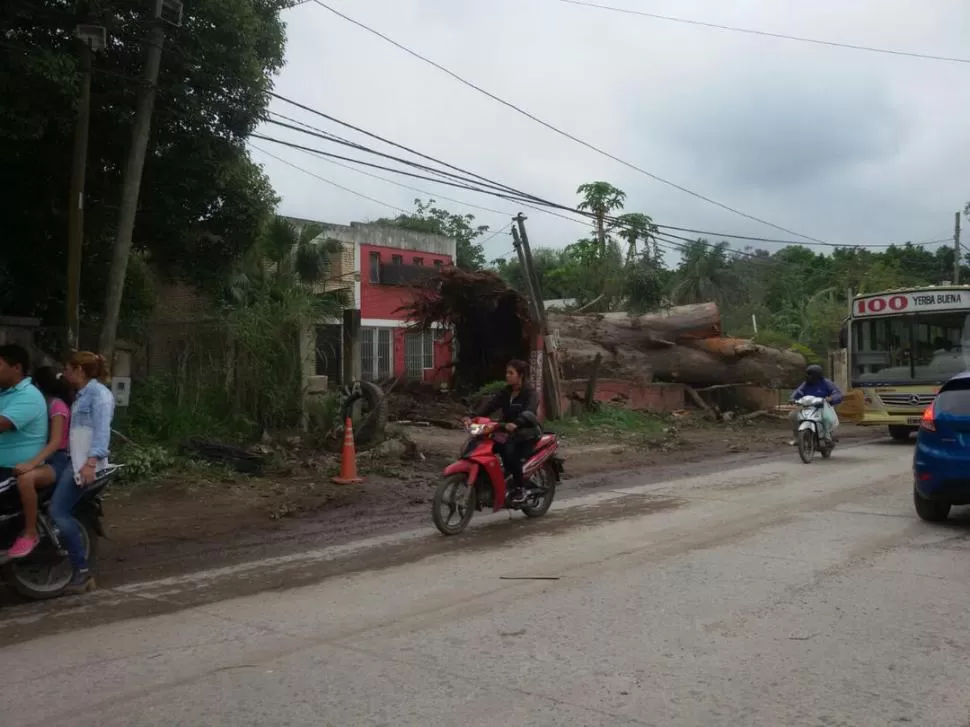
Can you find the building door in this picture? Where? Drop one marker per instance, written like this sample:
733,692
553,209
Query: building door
376,353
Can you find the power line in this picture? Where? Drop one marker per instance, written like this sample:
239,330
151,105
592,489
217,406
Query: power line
769,34
328,181
557,130
435,195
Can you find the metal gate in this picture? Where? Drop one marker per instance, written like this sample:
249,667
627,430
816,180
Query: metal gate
329,350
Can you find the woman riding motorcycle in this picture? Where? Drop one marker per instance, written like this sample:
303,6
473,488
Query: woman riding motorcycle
513,401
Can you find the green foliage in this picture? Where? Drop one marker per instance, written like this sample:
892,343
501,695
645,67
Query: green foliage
143,462
607,420
490,389
203,202
435,220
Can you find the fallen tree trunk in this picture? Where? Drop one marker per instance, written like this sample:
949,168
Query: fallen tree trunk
665,328
698,363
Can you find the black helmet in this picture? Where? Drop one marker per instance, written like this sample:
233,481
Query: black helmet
814,373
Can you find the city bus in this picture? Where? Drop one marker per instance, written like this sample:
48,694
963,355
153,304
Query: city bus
901,345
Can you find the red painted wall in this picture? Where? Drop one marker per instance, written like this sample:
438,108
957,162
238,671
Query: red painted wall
382,301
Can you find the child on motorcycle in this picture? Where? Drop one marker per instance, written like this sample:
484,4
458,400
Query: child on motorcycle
816,384
46,467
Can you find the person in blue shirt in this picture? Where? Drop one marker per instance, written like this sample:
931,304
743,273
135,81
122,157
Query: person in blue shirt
815,384
23,411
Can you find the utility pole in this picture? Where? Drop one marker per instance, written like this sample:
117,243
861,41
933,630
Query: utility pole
167,12
92,38
550,369
956,248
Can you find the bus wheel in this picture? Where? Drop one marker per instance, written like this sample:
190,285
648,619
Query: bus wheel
900,433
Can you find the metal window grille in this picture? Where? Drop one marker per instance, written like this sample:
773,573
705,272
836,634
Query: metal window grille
427,341
384,339
414,355
367,353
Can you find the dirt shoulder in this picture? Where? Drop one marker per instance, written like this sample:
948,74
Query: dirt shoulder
196,520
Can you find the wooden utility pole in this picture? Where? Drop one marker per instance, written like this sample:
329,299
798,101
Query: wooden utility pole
91,38
956,248
75,210
552,388
166,12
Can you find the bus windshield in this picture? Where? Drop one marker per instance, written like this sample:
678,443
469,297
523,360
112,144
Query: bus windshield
915,349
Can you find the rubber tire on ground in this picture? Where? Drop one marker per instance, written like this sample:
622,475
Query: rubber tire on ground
27,591
806,445
932,511
546,502
371,430
899,432
438,499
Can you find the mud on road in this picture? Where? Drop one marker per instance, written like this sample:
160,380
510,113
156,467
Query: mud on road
176,527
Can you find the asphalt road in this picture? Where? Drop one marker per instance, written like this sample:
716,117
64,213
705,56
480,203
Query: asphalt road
775,594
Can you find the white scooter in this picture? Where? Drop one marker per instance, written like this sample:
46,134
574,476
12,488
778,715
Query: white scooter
809,435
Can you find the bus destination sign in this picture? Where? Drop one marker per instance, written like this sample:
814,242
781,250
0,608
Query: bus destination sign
888,304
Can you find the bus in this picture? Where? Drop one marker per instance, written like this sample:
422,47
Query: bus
900,346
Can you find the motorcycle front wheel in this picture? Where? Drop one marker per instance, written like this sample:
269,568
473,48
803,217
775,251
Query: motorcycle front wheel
806,445
453,504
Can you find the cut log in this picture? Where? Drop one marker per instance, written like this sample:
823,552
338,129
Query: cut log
690,363
685,322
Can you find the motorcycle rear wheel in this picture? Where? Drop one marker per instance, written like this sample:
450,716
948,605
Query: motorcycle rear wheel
448,497
31,579
806,445
548,481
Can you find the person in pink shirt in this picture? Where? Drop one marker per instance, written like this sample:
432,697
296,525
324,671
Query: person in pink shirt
44,469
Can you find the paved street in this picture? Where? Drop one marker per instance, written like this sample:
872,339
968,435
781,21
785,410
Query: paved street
773,594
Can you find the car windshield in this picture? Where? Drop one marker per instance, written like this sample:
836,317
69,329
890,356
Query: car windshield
927,348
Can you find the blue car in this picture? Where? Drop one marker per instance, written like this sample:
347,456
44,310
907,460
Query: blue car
941,464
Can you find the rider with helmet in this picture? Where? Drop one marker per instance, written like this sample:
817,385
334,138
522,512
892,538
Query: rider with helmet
815,384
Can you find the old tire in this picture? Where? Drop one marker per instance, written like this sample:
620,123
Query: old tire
900,433
447,496
932,511
806,445
20,574
369,429
549,482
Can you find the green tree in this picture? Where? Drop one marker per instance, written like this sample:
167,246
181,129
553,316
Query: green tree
204,202
705,274
600,199
438,221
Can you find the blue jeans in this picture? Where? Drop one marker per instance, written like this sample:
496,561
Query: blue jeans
66,496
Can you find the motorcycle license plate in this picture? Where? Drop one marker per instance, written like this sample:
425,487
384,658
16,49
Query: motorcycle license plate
913,420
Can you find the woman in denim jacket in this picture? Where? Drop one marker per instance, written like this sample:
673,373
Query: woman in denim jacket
90,435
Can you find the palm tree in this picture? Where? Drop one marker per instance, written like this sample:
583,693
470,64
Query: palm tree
635,227
705,274
600,199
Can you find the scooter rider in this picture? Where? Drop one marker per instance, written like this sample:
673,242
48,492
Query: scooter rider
815,384
514,400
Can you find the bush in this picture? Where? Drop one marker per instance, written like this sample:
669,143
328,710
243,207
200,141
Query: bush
142,463
490,389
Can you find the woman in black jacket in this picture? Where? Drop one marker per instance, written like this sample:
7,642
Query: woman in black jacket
513,401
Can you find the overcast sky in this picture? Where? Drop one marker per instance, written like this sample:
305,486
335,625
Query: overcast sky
845,146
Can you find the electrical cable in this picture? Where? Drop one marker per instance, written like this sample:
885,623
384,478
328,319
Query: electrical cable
561,132
769,34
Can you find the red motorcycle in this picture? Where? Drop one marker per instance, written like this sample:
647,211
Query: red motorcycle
477,480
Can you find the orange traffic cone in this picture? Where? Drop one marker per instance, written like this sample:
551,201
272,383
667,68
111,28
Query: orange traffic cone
348,458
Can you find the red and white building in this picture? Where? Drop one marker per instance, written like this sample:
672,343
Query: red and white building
379,265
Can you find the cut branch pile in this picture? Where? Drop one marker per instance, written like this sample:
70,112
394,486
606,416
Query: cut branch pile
489,319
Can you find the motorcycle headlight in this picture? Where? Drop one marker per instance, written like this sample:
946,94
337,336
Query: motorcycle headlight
476,430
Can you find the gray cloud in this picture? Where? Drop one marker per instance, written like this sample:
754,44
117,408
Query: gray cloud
841,145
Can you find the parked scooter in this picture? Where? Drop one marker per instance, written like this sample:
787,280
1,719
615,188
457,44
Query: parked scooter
477,480
47,571
809,434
